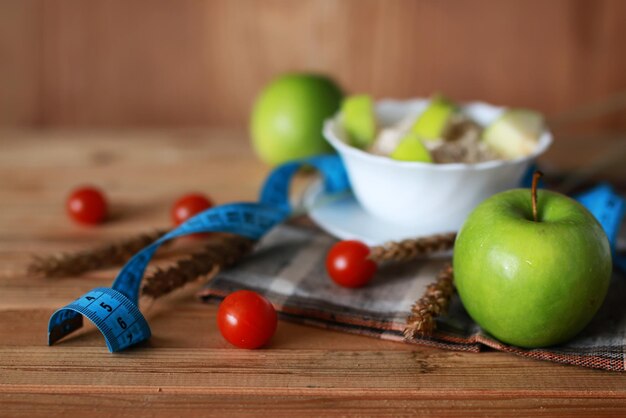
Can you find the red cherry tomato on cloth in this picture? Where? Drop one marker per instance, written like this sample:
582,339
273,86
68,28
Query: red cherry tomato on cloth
87,205
347,264
189,206
246,319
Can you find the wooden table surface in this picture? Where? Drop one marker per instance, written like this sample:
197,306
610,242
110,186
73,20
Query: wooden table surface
187,369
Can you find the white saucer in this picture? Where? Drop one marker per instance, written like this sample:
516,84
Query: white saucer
342,217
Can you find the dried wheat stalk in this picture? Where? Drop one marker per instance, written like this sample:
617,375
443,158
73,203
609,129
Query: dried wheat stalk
74,264
411,249
434,302
221,251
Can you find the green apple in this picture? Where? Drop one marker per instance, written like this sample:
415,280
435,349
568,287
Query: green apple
359,120
411,148
288,116
432,122
531,283
515,133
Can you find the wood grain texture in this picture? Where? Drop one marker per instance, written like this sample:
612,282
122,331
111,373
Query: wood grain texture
192,62
20,62
186,368
163,404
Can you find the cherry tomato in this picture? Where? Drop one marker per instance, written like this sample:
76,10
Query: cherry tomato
189,206
87,205
246,319
347,264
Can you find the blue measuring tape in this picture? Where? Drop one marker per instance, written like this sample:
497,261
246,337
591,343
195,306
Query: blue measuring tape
115,310
609,209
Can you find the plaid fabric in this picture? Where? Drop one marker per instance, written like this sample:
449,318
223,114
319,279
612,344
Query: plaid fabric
288,267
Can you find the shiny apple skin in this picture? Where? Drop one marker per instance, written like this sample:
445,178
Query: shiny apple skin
527,283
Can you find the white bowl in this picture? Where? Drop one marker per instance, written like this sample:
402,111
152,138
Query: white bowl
429,198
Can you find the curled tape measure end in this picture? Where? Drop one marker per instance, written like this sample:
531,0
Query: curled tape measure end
117,318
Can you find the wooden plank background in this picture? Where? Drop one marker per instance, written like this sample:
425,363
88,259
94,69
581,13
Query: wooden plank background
66,63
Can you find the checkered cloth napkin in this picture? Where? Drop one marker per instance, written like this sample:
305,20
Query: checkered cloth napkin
288,268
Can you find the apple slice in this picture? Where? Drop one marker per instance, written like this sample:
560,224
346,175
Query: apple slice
359,120
515,133
411,148
431,124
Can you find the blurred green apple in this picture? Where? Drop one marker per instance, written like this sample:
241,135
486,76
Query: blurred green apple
433,121
515,133
532,282
288,116
411,148
359,121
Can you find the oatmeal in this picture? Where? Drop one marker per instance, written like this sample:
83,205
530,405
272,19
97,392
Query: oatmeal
442,133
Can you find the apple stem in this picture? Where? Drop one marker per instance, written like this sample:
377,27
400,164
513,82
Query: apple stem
533,192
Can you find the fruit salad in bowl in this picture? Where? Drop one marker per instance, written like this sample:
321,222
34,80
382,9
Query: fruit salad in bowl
425,164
